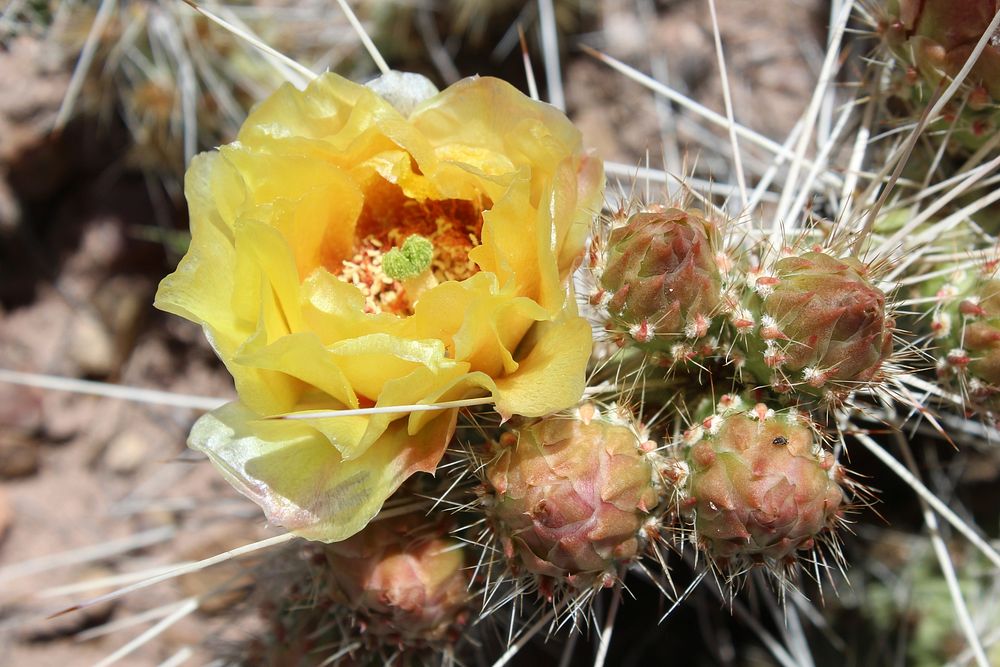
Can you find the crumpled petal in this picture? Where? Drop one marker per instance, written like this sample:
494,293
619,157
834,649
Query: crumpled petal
301,482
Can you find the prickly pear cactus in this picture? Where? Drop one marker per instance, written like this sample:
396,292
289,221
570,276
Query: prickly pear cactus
787,298
760,486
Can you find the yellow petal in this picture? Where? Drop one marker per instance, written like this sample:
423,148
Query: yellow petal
553,374
301,482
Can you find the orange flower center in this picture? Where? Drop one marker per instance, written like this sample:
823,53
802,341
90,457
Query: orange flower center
388,218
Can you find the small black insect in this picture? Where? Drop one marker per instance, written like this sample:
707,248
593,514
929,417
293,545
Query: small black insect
780,440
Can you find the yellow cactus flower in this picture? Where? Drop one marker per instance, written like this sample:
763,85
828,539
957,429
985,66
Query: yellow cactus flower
345,255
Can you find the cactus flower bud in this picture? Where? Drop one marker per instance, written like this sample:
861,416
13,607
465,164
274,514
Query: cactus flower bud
570,496
760,486
661,275
408,588
825,323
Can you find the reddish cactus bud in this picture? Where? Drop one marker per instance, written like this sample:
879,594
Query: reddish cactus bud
940,34
825,323
933,39
661,269
761,486
571,496
410,589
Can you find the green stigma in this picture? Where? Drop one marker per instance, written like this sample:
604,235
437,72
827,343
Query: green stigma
410,260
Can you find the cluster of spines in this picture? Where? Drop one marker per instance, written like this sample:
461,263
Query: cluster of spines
813,323
178,82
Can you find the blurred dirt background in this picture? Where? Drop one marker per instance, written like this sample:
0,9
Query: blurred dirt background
87,230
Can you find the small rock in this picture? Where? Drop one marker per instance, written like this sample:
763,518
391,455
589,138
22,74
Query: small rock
126,452
122,301
102,242
10,209
91,345
20,422
20,409
31,90
6,514
19,455
67,415
625,34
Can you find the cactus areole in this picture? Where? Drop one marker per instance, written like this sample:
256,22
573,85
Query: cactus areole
981,335
570,497
760,486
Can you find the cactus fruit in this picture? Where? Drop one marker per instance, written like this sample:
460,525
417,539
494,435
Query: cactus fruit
569,496
823,325
658,277
406,589
760,485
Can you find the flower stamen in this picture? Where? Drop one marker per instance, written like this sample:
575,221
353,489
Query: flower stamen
388,271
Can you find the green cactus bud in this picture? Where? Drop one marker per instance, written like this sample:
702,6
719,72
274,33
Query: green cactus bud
409,589
660,277
962,306
760,485
570,496
823,325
